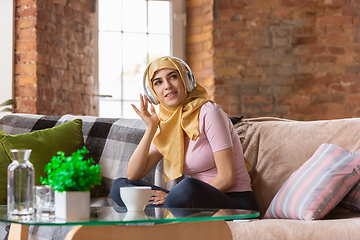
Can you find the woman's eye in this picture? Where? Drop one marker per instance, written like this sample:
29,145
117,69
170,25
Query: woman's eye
157,82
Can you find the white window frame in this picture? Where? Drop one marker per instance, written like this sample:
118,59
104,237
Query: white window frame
178,38
7,12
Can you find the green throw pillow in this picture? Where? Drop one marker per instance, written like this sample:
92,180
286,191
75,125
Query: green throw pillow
4,163
67,137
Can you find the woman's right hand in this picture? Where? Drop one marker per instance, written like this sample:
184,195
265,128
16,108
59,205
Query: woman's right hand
143,159
151,119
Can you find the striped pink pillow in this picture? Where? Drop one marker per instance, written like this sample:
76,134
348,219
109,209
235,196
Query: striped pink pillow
318,185
352,199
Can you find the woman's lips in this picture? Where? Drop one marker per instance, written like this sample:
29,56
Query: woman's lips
170,95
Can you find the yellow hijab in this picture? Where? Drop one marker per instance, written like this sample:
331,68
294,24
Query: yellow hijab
174,122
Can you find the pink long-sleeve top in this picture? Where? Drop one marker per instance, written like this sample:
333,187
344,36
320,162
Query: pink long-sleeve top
216,133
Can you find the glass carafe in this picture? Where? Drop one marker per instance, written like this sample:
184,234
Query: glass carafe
20,184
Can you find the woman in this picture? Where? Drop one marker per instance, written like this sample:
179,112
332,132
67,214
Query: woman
193,136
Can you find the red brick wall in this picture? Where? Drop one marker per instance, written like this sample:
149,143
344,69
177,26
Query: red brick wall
199,42
54,60
283,58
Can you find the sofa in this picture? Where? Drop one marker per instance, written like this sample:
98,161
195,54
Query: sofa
276,148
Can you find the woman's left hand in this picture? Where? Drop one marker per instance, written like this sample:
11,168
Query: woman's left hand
158,197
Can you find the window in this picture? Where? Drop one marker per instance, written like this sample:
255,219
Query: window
132,33
7,10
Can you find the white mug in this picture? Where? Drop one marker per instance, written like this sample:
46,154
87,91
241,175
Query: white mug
135,198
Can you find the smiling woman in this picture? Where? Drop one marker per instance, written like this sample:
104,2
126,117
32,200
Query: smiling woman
194,137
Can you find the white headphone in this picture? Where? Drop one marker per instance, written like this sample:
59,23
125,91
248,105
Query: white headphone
188,77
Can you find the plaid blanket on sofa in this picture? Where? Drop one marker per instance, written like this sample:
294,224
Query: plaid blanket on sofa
110,141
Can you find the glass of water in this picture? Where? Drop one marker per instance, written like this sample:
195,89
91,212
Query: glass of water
44,201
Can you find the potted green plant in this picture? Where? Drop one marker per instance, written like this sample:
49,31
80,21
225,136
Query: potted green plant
72,178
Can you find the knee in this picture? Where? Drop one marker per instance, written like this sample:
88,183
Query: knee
120,181
183,193
191,185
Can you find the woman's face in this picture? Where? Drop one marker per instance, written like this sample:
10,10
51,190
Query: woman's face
168,86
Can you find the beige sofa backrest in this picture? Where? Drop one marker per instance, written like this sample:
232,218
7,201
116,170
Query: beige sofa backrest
278,147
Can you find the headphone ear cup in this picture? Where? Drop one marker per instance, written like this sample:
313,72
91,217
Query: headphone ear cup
190,81
150,96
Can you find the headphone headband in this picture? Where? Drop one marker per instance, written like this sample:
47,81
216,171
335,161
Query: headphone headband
184,63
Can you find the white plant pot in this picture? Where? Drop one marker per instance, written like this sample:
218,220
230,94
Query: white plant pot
72,205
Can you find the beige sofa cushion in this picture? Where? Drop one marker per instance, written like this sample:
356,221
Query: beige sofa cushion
286,229
278,147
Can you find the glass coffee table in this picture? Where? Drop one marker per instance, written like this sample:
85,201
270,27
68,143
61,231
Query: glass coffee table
153,223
